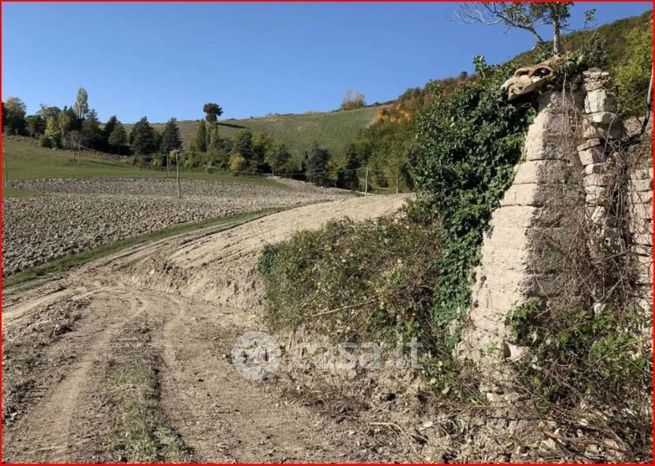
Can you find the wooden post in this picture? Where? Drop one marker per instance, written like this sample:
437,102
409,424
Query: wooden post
366,183
397,181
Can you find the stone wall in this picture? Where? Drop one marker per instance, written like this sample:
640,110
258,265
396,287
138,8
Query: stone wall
560,189
514,267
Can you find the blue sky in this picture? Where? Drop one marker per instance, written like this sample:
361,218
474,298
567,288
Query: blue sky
166,60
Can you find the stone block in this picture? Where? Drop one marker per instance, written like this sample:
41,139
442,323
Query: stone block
542,171
592,155
589,131
642,211
644,267
604,118
642,174
599,100
643,239
594,168
643,250
643,197
641,185
590,143
597,179
521,195
514,216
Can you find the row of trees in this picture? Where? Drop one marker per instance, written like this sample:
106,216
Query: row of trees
78,127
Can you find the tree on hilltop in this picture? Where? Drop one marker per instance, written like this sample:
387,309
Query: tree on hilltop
213,111
352,100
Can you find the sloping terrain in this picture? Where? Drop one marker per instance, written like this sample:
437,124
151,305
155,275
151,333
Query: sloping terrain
332,130
25,159
127,358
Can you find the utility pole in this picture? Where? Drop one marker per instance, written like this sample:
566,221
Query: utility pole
366,183
397,181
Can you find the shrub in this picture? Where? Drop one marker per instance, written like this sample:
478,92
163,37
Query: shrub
353,280
632,74
238,163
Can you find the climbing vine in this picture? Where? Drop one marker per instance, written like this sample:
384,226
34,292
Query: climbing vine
467,146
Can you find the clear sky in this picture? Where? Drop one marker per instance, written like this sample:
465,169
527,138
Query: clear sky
166,60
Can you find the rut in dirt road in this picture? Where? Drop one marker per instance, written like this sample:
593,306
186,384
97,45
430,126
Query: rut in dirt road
126,358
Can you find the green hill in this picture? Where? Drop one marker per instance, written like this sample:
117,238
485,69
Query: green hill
24,158
333,130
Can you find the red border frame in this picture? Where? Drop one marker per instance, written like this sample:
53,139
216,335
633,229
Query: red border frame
652,2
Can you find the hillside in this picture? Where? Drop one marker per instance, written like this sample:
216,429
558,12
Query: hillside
24,159
614,37
333,130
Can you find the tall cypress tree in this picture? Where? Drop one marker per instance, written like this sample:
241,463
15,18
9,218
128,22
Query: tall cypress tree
170,138
201,137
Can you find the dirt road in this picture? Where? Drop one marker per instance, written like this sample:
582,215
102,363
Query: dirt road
127,358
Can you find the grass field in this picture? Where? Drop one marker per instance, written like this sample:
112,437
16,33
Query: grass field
24,159
333,130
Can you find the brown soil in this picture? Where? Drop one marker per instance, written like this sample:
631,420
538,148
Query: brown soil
174,307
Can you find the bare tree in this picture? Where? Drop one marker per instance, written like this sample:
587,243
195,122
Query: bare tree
520,15
74,140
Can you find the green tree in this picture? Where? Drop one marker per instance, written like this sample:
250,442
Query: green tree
262,146
46,111
213,111
143,138
316,165
170,138
277,158
201,137
81,106
92,135
14,116
109,126
347,176
65,123
52,137
117,140
243,144
35,125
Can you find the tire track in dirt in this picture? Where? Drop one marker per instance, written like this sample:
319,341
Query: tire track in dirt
202,290
46,435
